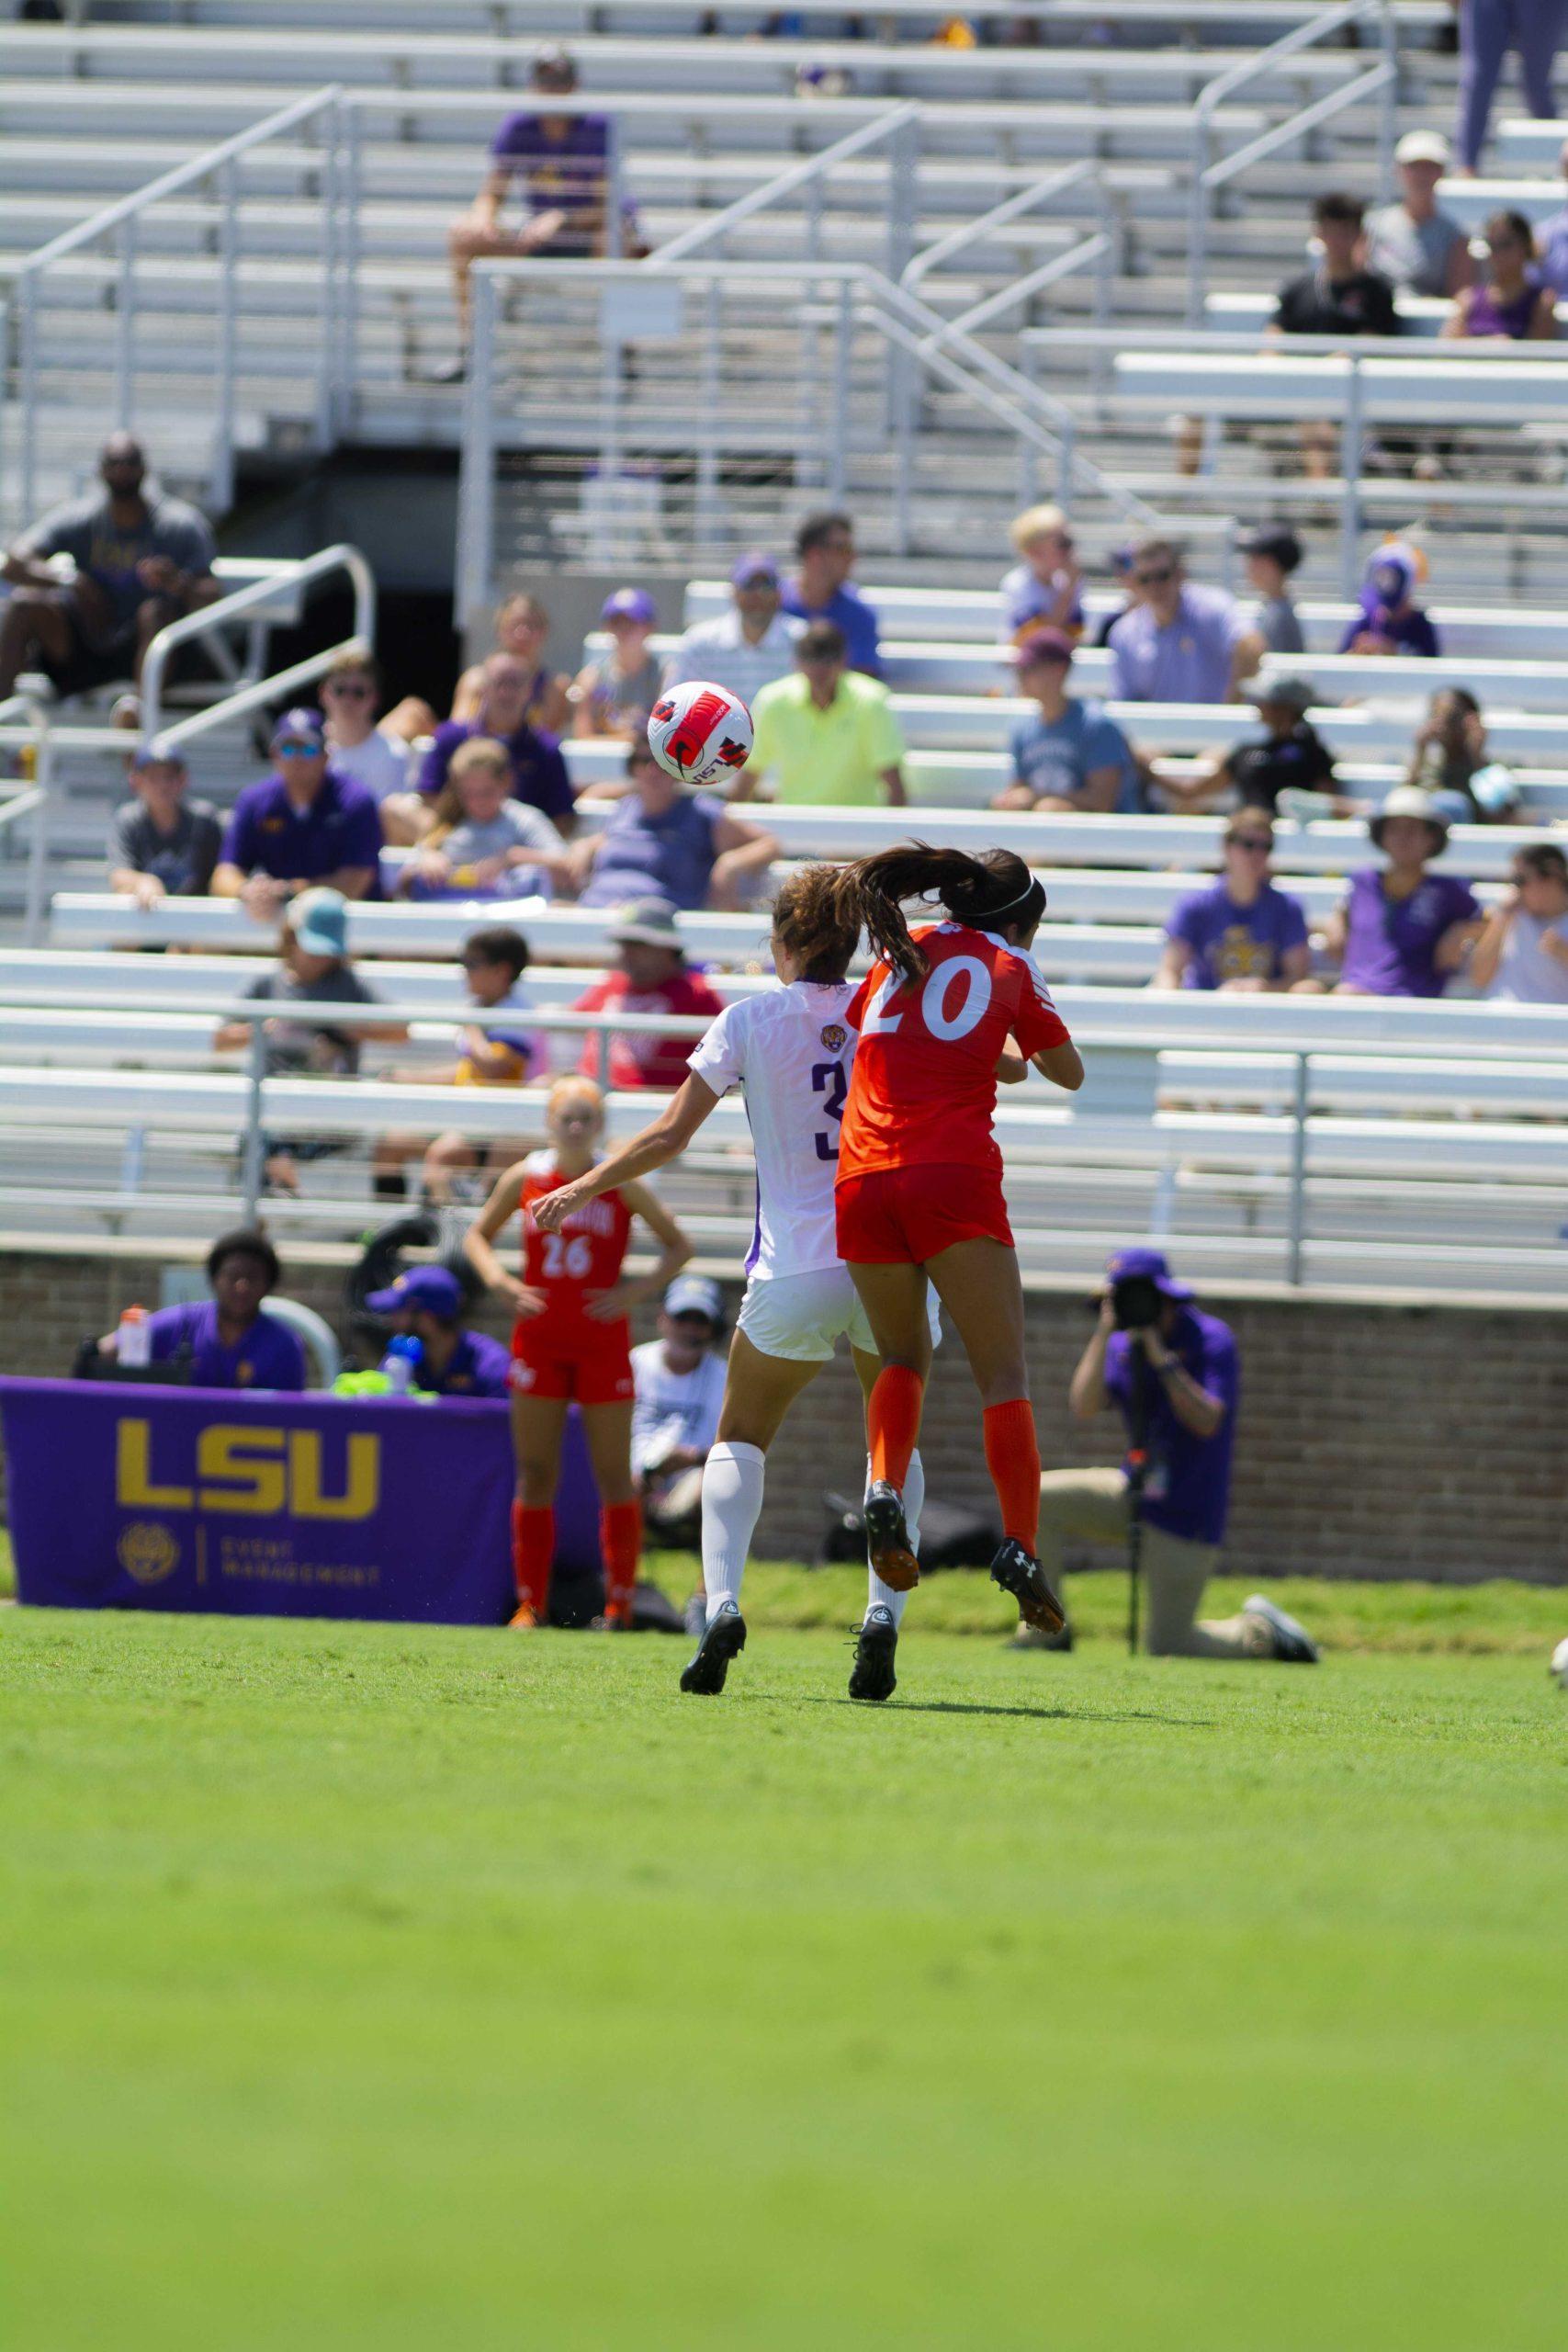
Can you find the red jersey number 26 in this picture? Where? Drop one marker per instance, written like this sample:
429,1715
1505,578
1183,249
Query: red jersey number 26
953,999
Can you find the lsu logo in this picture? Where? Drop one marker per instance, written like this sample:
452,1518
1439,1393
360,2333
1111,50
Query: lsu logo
835,1037
253,1473
147,1552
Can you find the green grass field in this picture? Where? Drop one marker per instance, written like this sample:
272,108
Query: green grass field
369,1985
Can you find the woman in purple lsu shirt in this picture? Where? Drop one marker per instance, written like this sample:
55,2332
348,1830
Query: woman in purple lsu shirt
228,1342
1241,934
1401,929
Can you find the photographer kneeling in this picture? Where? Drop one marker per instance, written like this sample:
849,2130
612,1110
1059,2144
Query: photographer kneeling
1172,1372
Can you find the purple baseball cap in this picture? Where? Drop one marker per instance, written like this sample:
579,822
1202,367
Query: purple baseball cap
1043,645
434,1290
758,565
629,605
297,724
1154,1267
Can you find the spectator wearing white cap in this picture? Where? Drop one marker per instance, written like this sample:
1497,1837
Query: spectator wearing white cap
680,1388
747,647
1420,248
613,693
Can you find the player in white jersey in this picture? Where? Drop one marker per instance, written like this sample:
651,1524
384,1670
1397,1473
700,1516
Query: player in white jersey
791,1049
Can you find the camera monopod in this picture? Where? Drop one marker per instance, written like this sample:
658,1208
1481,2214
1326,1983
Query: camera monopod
1137,1470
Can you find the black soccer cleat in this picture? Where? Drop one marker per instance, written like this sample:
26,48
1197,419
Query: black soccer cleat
887,1538
724,1639
872,1674
1019,1573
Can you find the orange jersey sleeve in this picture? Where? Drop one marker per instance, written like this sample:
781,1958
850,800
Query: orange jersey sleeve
924,1087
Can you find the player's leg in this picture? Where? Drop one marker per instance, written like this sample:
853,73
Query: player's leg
977,1283
1090,1505
759,1390
538,1426
894,1297
608,1430
874,1676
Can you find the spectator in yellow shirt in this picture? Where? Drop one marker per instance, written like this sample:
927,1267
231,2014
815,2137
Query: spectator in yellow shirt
827,735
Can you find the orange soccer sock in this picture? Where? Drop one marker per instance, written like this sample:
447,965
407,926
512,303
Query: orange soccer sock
892,1422
620,1541
1012,1457
533,1554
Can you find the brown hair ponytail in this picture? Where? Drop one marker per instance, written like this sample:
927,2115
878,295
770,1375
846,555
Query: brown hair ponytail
977,890
808,921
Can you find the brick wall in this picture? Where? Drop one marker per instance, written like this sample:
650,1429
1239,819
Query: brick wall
1373,1441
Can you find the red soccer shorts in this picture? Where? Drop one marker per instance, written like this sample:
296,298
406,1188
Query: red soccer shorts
904,1216
589,1362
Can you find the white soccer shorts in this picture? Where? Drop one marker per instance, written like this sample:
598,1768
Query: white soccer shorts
802,1318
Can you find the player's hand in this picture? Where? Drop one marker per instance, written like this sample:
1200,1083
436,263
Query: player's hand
550,1214
525,1302
610,1305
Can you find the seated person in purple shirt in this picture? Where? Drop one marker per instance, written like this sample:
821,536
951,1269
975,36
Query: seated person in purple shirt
559,166
824,559
426,1304
540,777
229,1342
661,842
1387,618
303,824
1241,934
1179,642
1401,930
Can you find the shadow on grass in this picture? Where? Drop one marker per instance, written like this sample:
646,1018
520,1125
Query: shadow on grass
1036,1715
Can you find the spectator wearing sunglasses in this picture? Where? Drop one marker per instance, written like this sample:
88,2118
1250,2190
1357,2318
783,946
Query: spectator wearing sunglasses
1521,954
302,824
1241,934
1179,642
1511,304
375,752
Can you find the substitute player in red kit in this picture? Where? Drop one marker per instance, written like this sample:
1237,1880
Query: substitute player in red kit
572,1342
945,1013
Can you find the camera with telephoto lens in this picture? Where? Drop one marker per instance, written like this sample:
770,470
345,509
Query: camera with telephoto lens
1136,1301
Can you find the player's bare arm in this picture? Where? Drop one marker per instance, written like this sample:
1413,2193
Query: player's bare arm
659,1142
1063,1064
478,1243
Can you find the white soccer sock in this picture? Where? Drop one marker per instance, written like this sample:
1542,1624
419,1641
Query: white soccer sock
883,1595
732,1501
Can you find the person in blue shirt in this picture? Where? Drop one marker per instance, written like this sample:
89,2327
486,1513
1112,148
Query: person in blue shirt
426,1304
302,824
1066,754
1174,1374
825,557
228,1341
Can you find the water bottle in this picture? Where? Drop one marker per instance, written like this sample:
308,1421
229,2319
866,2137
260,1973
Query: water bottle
134,1344
403,1360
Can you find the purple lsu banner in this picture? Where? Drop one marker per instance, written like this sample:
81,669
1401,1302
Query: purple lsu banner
200,1498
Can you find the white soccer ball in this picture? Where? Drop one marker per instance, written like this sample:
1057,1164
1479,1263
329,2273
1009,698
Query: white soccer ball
1560,1663
698,733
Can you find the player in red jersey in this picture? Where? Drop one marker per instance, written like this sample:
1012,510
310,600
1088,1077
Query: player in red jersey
943,1015
572,1340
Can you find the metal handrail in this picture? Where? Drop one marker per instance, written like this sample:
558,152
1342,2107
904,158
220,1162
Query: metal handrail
1207,175
811,168
937,255
341,558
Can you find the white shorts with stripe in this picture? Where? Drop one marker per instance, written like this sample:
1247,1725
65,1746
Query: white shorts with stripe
802,1318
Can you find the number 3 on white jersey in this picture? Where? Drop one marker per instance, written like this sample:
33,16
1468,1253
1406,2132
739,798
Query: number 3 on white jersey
942,1018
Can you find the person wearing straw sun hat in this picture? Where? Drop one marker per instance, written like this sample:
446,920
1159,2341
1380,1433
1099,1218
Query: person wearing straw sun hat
1402,929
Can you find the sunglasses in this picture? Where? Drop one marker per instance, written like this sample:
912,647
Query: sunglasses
1154,579
347,693
297,751
1261,843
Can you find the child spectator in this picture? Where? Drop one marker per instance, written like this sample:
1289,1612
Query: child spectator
1387,618
613,693
482,844
501,1048
1403,931
1521,954
1273,555
652,976
663,843
1290,757
1066,754
1241,934
160,845
521,627
1044,588
1449,759
1511,304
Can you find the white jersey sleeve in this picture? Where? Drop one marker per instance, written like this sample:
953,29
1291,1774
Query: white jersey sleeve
791,1048
718,1058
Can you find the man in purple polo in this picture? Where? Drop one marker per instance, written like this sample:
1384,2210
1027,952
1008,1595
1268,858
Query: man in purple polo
228,1340
1179,642
426,1304
539,775
303,824
558,165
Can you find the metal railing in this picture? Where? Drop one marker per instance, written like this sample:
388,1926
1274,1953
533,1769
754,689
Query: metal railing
1209,175
217,170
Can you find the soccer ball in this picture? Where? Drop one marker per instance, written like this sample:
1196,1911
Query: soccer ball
698,733
1560,1664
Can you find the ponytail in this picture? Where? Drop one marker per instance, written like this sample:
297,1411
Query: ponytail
807,919
981,892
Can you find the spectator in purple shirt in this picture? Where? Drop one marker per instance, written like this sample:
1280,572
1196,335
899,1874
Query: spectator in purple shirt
426,1304
539,772
1179,642
561,166
1401,930
229,1342
303,824
1240,934
1387,618
823,557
